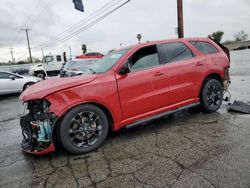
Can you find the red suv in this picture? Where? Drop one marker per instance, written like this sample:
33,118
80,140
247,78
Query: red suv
127,87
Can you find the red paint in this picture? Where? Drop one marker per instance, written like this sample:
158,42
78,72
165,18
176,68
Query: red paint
137,95
50,149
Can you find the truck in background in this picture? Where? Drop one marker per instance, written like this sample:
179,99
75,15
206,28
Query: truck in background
50,66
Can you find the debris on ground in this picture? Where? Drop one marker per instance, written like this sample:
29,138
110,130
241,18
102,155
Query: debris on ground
239,106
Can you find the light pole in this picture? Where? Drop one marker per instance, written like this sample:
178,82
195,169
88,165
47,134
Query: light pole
139,36
12,57
70,53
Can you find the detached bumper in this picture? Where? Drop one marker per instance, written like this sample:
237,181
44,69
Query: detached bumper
50,149
37,128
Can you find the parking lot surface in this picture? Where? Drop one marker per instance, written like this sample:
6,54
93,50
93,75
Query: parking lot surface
186,149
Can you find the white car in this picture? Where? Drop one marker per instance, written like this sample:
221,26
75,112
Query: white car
14,83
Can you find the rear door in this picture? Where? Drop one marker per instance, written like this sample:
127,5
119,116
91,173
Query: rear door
185,70
141,90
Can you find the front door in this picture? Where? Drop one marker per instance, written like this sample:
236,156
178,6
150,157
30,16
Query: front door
140,91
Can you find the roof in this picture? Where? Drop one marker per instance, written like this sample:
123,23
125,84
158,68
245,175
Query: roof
164,41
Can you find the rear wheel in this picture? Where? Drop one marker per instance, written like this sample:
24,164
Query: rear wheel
212,95
83,129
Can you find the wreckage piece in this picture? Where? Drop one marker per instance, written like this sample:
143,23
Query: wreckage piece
37,128
239,106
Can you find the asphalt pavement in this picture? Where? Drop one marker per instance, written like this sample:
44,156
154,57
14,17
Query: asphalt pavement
186,149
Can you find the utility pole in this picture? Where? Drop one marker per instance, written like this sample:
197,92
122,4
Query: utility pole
27,35
42,52
180,19
12,57
70,52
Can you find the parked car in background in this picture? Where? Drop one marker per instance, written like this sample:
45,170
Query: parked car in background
77,67
14,83
51,65
90,55
20,71
127,87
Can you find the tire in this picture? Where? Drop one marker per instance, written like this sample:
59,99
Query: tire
78,128
27,85
40,74
211,95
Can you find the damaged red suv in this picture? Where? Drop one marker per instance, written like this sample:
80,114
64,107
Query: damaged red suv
125,88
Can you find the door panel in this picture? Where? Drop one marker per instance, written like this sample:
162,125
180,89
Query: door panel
8,85
184,70
183,78
141,92
145,88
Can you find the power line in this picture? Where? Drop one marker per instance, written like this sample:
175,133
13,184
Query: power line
84,21
31,16
78,31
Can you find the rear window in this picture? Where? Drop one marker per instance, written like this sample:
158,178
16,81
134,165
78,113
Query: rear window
205,47
173,52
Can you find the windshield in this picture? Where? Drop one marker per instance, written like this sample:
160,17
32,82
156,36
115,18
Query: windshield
107,61
79,64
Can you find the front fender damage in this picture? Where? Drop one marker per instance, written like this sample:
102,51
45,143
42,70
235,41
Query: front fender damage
37,128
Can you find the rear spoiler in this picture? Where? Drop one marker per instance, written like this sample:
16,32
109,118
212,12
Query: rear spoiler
224,48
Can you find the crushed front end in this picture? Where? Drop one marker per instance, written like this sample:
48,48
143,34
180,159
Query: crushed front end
37,128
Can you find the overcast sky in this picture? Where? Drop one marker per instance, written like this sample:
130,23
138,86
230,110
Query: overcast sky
154,19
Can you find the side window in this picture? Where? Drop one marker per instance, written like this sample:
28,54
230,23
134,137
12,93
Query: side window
173,52
49,59
4,75
58,58
144,58
205,47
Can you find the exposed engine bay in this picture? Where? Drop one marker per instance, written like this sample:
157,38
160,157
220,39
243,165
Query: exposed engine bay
37,128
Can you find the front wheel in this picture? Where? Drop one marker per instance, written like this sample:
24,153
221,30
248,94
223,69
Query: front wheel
40,74
27,85
84,129
212,96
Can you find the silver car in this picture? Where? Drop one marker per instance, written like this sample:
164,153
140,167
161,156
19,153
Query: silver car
77,67
14,83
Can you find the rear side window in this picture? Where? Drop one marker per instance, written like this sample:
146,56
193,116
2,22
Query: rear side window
205,47
173,52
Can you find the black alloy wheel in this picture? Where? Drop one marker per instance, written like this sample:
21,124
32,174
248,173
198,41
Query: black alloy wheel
212,95
84,129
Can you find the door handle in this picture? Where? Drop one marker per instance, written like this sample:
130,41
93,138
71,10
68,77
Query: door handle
199,64
159,73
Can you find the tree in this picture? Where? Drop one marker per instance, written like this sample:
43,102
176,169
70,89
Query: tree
241,36
84,48
139,36
217,36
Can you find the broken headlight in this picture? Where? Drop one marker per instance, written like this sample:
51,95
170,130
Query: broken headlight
37,126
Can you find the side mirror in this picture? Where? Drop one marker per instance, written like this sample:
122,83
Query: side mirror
125,69
12,77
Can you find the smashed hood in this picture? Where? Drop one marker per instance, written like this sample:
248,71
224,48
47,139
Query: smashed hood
46,87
